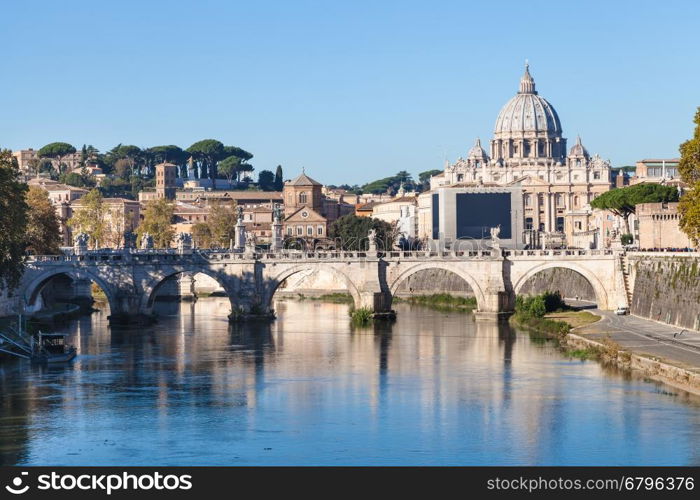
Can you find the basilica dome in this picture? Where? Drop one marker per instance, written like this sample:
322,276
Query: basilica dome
527,113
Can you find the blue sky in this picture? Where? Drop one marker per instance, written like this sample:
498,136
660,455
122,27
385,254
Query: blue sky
353,91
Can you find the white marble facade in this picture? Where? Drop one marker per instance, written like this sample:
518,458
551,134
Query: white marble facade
528,147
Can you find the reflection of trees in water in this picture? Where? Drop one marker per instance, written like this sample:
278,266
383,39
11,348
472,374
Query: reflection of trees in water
21,397
14,422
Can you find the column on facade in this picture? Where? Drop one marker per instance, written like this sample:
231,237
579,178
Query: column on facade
548,212
536,211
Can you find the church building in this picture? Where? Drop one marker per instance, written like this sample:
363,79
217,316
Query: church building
528,149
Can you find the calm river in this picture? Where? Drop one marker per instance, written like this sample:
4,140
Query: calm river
432,388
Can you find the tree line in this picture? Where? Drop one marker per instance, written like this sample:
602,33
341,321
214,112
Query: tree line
132,168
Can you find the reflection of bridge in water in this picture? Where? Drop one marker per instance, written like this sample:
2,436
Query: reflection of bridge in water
131,279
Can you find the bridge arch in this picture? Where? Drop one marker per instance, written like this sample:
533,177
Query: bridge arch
36,284
598,289
405,274
150,289
272,284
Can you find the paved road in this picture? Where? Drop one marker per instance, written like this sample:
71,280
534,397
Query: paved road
644,336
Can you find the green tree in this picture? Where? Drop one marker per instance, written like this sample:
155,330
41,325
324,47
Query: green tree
689,167
56,151
13,221
228,167
242,165
279,179
201,235
622,201
157,221
238,153
82,179
352,232
90,217
43,230
424,178
207,153
132,155
390,184
221,221
170,154
266,180
115,188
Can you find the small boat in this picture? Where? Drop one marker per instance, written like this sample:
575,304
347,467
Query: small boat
51,348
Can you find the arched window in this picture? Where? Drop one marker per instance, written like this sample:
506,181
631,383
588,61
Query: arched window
302,197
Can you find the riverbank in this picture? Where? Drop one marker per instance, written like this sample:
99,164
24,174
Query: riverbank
670,372
600,337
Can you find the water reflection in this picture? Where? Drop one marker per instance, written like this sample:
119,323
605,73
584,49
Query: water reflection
431,388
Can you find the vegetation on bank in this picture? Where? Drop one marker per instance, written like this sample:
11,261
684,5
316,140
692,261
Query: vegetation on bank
548,316
441,302
689,168
623,201
361,316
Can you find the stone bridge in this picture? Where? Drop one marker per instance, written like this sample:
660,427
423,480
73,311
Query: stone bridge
131,279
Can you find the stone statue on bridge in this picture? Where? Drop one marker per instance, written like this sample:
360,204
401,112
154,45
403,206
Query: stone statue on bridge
250,242
80,243
277,213
495,240
372,236
146,241
184,242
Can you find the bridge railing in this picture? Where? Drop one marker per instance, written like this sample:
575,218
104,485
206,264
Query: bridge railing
562,252
169,255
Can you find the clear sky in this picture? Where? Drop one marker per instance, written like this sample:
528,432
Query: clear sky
353,91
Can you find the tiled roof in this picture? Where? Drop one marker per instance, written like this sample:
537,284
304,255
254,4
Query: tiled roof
303,180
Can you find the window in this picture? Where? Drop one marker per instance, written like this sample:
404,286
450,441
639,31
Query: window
310,230
289,231
596,175
578,225
560,200
320,230
526,202
560,224
302,197
528,223
541,226
460,177
300,230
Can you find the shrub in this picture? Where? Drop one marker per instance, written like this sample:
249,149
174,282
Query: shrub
361,316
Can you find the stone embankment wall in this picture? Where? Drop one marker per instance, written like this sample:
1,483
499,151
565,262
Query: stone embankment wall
666,288
567,282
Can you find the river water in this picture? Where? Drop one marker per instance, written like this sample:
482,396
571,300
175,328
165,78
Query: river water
309,389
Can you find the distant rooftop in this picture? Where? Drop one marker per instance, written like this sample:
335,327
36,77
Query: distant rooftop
303,180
